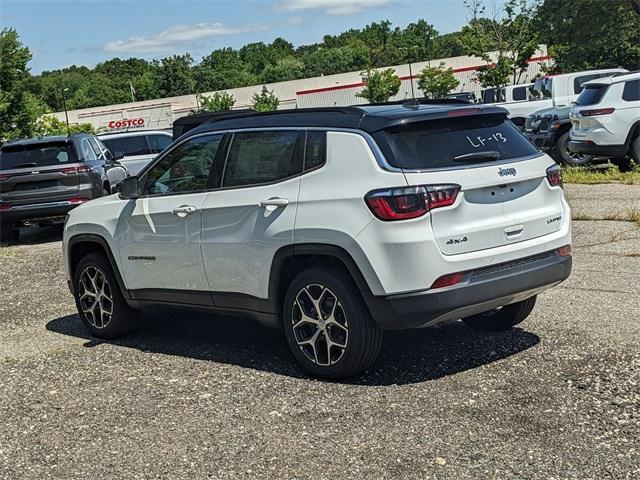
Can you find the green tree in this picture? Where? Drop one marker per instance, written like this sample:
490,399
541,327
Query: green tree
49,125
437,82
588,34
222,69
265,101
217,102
288,68
173,76
19,108
380,85
509,32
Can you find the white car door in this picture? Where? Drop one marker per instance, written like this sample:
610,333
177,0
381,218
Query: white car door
159,232
252,215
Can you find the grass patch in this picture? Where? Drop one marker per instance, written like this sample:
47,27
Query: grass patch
592,176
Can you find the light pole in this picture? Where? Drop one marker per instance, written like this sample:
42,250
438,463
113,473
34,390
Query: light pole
409,56
64,103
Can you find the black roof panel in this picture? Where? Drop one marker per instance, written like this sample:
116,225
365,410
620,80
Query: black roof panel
369,118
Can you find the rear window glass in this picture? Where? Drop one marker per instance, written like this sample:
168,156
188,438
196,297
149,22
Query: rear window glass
455,142
40,155
591,94
134,145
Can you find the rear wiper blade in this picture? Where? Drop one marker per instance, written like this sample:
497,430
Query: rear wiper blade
24,165
470,157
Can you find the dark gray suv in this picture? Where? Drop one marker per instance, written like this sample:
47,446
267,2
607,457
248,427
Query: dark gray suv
42,178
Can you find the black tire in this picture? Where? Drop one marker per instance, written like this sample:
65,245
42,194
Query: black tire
123,319
624,164
358,337
9,233
563,155
503,318
635,150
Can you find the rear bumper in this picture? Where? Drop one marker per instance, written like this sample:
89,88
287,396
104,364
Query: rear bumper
588,147
481,290
34,211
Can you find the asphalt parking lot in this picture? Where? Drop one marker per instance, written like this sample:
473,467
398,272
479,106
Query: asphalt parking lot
194,397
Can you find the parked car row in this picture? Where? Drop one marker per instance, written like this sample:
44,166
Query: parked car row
42,179
602,123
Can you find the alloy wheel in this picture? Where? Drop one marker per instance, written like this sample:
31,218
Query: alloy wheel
320,325
95,297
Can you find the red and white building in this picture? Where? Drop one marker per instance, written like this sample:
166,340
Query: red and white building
324,91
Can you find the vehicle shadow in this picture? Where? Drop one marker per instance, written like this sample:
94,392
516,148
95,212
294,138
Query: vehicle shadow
33,234
407,357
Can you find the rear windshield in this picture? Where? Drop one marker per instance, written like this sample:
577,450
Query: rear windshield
40,155
134,145
457,141
591,94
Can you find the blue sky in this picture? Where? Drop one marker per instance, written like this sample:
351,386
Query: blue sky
85,32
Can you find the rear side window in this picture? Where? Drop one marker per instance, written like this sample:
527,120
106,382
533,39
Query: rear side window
158,143
262,157
134,145
454,142
591,94
40,155
315,150
520,93
631,92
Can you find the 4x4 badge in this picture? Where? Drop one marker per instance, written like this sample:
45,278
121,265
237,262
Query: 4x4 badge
505,172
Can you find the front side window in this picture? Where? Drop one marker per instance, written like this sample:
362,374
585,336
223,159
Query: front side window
184,169
454,142
158,143
262,157
631,92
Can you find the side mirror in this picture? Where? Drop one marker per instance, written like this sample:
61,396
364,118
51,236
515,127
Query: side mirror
117,156
128,188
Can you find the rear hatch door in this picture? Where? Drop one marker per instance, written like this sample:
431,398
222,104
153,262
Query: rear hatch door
35,173
504,194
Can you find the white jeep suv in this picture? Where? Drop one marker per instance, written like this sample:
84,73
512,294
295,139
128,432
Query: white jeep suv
333,224
606,118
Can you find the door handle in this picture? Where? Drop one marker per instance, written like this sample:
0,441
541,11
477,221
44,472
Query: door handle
274,202
184,210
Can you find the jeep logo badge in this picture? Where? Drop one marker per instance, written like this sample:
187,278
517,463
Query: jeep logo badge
506,172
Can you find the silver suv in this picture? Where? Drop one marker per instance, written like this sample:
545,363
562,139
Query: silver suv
41,179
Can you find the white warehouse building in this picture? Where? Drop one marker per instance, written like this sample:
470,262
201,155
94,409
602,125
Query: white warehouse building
324,91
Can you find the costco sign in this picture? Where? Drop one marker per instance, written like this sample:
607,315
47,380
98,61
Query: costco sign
130,123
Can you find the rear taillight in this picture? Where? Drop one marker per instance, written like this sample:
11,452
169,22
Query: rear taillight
74,170
554,176
448,280
5,207
78,200
4,176
597,111
564,251
410,202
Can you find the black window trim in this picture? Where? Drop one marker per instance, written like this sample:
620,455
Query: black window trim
375,149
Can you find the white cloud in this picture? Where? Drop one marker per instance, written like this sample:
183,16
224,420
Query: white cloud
178,35
332,7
